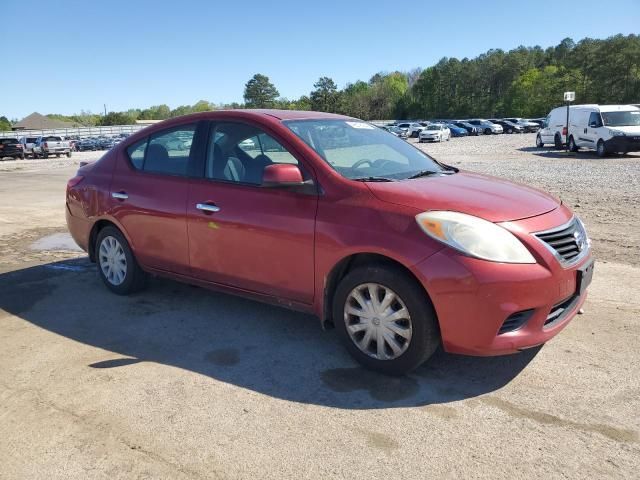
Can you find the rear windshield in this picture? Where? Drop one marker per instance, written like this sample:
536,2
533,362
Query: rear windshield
51,139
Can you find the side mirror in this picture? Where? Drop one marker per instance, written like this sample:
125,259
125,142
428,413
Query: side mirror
282,175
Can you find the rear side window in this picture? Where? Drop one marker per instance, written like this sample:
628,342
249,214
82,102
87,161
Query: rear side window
136,153
166,152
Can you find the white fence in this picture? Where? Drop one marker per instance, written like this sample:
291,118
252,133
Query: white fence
81,132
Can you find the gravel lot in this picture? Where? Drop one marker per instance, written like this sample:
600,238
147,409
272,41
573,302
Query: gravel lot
178,382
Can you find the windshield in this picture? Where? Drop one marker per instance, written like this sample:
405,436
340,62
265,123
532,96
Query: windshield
621,119
433,127
7,141
359,150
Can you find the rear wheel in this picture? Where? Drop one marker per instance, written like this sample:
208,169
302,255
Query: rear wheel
509,130
572,144
117,266
385,319
69,154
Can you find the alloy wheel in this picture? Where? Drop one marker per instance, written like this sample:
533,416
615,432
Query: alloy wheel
113,261
378,321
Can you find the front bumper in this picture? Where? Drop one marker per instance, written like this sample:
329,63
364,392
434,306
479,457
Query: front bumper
474,298
429,139
627,143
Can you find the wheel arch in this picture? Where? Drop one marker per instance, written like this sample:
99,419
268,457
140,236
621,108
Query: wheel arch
95,230
349,263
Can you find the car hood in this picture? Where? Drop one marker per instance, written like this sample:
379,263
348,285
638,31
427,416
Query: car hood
628,130
486,197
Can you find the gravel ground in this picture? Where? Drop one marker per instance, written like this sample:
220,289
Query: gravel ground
178,382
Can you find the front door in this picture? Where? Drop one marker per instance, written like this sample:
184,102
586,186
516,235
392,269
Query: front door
242,234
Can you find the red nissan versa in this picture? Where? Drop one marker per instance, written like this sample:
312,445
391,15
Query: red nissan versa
331,215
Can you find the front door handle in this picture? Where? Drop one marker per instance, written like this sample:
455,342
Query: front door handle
207,207
119,195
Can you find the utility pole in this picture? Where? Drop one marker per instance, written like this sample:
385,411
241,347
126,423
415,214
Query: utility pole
568,97
105,109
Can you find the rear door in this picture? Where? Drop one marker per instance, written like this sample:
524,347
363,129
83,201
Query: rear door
149,197
242,234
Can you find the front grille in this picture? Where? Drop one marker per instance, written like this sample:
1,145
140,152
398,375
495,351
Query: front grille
515,321
560,311
567,241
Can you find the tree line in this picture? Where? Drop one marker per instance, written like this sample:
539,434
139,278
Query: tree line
523,82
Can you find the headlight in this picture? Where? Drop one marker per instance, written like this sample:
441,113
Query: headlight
474,236
616,133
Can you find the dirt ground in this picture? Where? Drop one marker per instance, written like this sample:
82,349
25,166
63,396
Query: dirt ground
179,382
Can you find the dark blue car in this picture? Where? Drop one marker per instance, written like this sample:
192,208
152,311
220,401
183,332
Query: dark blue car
457,131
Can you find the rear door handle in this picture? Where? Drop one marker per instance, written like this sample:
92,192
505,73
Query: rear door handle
207,207
119,195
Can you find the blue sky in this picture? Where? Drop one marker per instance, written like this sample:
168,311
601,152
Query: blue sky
79,55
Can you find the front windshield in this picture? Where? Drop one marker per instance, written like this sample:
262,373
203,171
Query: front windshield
433,127
621,119
358,150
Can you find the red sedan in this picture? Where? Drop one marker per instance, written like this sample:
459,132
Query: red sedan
331,215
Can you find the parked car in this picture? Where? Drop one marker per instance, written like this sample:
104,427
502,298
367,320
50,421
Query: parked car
471,129
456,131
398,132
27,144
330,224
508,127
529,127
87,144
436,132
11,147
51,145
412,128
605,129
538,121
487,127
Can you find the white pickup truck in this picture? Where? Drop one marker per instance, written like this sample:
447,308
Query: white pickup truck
51,145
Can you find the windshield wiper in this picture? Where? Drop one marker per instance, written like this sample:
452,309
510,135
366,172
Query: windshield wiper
427,173
373,179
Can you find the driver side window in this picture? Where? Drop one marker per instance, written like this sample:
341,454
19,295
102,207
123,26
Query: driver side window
238,153
594,120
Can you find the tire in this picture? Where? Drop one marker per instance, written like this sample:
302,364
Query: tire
487,131
539,142
601,149
57,155
557,142
45,155
117,253
69,154
572,145
423,334
509,131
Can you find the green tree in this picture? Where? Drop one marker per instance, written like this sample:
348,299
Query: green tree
325,97
5,124
259,92
116,118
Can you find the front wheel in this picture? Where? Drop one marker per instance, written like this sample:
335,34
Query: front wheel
601,149
385,319
557,142
487,131
69,154
117,266
539,142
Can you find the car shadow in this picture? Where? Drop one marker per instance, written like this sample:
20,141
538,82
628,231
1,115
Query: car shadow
563,154
263,348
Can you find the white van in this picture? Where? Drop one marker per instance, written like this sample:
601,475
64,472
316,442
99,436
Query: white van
554,131
603,128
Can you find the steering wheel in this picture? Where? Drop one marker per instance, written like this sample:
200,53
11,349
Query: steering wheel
362,162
